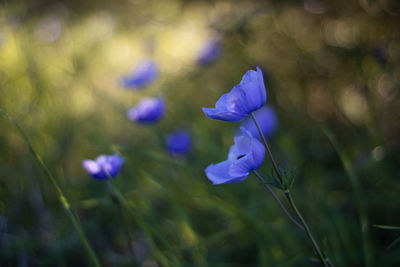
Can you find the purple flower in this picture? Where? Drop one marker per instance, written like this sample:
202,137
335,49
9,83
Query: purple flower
104,167
179,142
244,156
267,120
210,52
245,97
149,110
144,74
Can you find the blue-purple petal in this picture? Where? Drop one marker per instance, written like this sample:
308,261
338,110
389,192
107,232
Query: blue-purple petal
179,142
246,155
215,114
210,52
219,173
148,110
144,74
104,167
267,119
246,97
258,153
253,85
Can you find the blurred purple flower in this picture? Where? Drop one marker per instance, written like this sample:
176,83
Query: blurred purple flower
245,97
380,53
246,155
144,74
209,53
179,142
267,119
148,110
104,167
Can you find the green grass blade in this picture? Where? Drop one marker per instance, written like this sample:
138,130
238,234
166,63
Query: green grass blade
354,181
60,193
387,227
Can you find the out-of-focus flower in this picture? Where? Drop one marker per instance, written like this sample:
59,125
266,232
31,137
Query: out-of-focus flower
104,167
209,53
144,74
246,155
148,110
266,118
179,142
245,97
379,53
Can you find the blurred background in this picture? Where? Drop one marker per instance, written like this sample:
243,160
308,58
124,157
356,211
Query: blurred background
332,75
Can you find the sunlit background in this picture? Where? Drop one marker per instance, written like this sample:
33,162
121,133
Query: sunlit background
329,67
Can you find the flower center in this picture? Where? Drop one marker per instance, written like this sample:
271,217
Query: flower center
241,156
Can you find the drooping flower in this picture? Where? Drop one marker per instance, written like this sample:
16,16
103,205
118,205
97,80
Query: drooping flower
148,110
266,118
179,142
209,53
143,75
246,155
245,97
104,167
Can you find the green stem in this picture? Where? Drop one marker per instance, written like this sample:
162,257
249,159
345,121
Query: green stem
275,166
317,249
61,196
278,200
307,229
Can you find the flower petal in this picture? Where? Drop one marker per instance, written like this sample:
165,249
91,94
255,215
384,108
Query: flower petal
248,96
148,110
114,166
258,153
145,73
104,167
219,173
210,52
91,166
179,142
230,107
215,114
246,154
267,119
253,85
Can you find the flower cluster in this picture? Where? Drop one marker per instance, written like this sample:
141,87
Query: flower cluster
247,153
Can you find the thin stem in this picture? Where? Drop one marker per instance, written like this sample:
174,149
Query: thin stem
115,198
267,147
63,199
290,199
278,200
307,229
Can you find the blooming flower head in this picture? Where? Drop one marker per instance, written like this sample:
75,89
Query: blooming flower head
179,142
209,53
144,74
104,167
244,156
266,118
148,110
245,97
